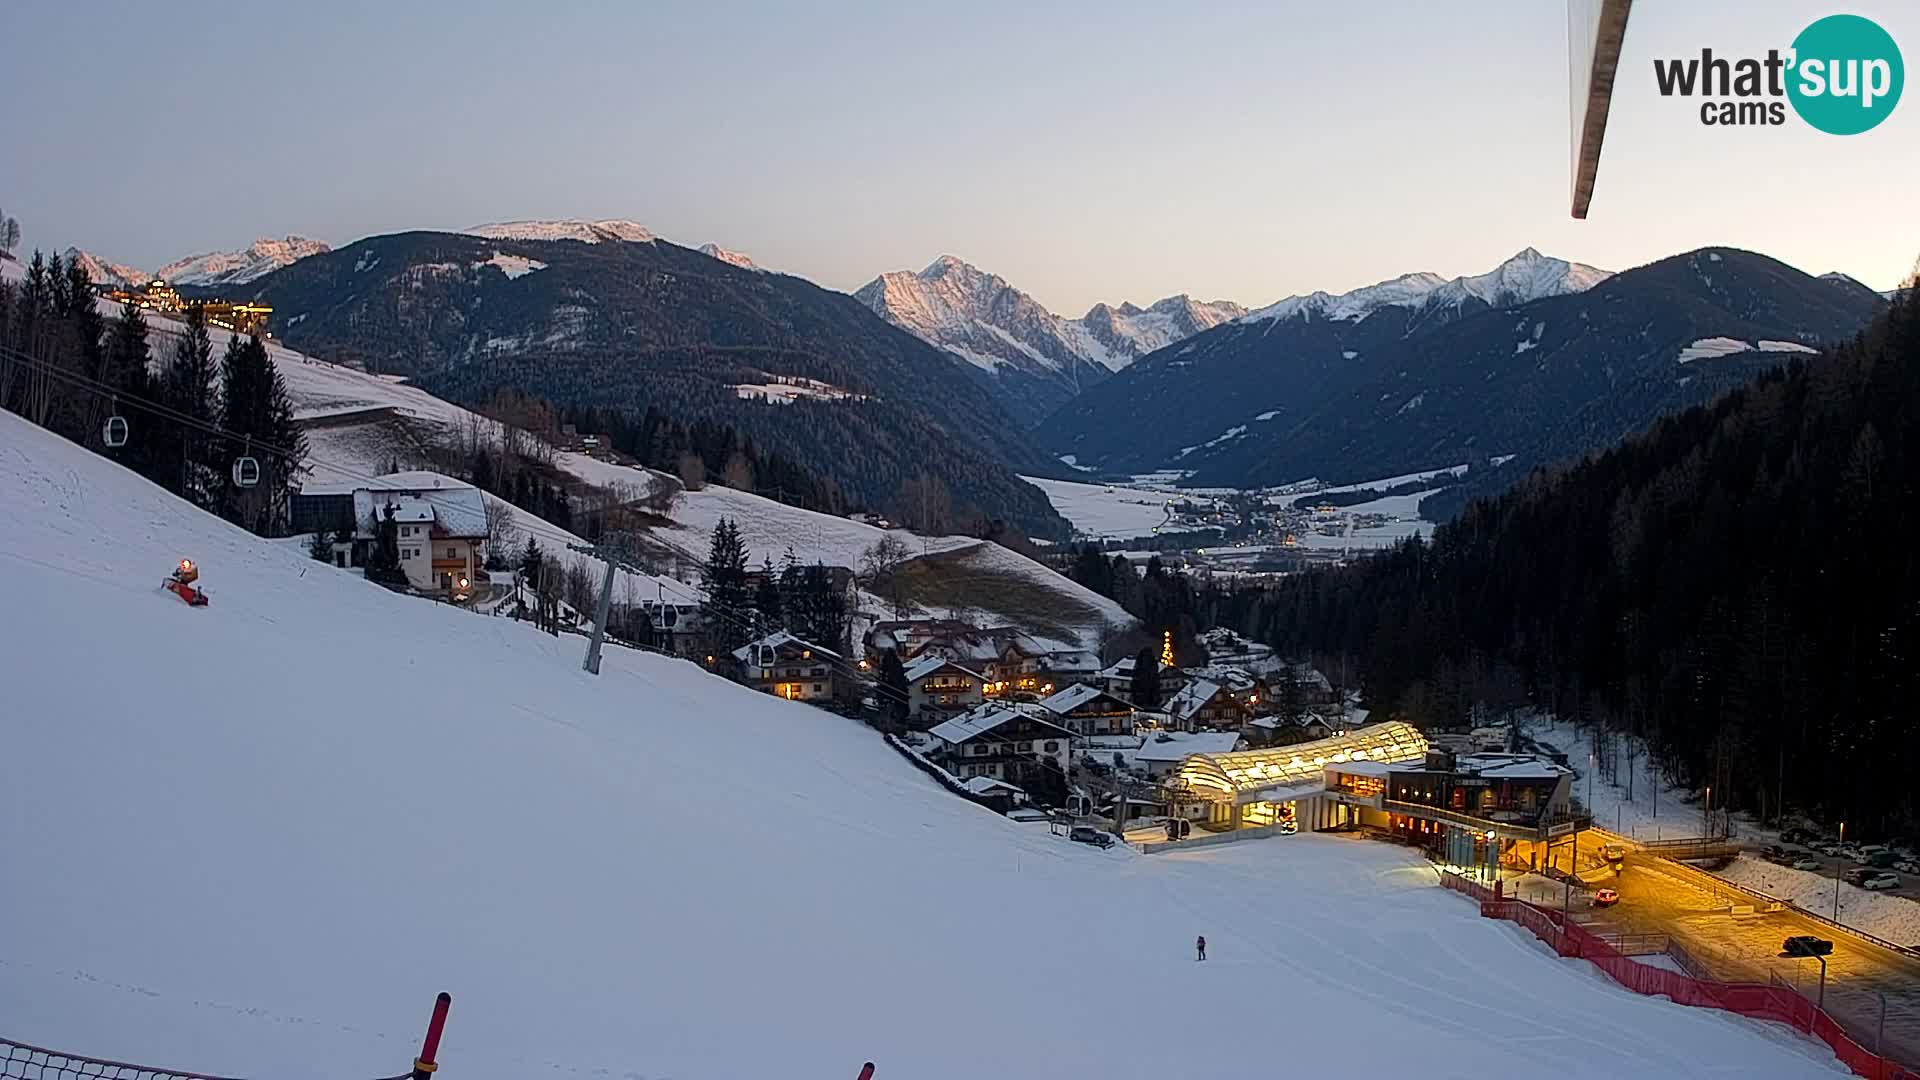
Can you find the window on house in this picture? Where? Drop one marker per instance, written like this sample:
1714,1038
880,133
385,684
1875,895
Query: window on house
452,554
1053,747
816,688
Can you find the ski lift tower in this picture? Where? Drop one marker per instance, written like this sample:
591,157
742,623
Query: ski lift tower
616,551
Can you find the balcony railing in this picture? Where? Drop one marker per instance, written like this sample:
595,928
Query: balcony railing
1538,827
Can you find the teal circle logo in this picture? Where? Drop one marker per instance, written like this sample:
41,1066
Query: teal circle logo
1846,75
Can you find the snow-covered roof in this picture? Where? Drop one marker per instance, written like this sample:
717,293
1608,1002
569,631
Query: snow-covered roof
1073,697
927,665
454,508
1192,698
775,640
1119,669
982,720
1178,746
982,785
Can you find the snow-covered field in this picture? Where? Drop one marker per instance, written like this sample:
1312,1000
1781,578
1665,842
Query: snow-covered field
280,823
1105,511
1894,918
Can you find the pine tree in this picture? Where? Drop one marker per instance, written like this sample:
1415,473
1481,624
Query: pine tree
893,690
383,563
769,611
127,357
1146,679
254,404
727,610
186,388
320,548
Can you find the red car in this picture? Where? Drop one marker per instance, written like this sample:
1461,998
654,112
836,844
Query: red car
1605,898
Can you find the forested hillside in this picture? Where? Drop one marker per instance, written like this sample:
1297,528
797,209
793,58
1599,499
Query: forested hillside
1739,584
807,373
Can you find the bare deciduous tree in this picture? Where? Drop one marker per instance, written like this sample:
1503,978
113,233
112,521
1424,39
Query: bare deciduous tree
693,471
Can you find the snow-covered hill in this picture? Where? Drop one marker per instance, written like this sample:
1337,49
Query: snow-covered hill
1529,275
360,424
587,232
223,268
255,838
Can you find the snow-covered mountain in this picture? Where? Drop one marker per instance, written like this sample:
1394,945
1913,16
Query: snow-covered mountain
731,258
1037,359
986,321
1527,276
587,232
256,260
105,271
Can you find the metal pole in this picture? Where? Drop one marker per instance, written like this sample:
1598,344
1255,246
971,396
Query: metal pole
592,662
1880,1033
1822,1004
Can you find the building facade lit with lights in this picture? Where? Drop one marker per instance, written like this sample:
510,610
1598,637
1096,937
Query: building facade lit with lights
789,667
158,296
1466,809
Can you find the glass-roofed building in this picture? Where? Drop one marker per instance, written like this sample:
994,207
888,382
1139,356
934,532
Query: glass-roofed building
1263,787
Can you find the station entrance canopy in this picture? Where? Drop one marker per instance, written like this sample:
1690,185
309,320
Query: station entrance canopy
1288,772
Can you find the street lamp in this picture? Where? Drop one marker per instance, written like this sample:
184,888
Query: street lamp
1706,827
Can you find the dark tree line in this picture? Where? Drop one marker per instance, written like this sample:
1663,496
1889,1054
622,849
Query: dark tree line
66,368
801,599
1738,584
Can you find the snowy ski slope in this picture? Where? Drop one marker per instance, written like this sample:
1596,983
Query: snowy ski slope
255,838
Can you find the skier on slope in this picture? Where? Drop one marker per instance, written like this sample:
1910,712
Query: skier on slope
1200,947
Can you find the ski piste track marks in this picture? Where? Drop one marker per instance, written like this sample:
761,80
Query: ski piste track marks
1332,957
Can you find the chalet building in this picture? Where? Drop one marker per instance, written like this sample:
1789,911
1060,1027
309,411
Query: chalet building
1117,679
938,687
1270,730
788,667
1001,743
1459,805
1089,711
1207,706
440,522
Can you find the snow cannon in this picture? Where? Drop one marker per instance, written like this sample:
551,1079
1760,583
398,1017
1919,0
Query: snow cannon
180,583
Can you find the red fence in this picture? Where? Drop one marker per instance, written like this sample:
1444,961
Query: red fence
1762,1001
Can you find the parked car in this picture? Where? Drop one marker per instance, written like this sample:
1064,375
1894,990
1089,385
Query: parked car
1882,880
1806,864
1087,834
1861,876
1605,898
1772,852
1882,859
1806,945
1907,866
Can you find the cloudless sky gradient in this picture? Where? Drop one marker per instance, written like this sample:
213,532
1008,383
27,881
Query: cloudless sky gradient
1085,151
